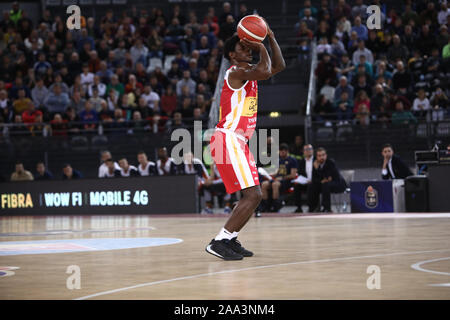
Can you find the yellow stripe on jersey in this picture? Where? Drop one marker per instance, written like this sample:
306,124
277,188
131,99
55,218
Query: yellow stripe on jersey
220,113
235,108
241,168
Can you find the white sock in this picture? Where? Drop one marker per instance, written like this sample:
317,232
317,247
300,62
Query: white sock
224,234
234,234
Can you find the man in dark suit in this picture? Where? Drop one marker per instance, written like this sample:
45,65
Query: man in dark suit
393,166
326,179
305,169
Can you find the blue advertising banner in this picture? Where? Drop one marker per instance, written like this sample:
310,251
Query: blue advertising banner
372,196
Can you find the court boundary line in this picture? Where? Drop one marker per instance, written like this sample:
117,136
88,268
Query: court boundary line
417,266
202,275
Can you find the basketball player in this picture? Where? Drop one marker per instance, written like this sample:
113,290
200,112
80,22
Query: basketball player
236,125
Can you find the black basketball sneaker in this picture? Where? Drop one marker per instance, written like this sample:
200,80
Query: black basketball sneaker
223,249
238,248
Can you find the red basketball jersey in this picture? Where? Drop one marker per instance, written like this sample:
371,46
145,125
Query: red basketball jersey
238,107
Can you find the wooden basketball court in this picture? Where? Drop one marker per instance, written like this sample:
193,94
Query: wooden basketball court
296,257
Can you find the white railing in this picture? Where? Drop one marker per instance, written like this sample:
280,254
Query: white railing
311,91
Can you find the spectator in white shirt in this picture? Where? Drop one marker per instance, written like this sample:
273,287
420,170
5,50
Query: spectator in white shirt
151,97
421,104
103,169
127,170
87,78
145,167
100,86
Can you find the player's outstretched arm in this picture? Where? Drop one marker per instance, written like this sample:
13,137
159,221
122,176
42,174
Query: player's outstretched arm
259,71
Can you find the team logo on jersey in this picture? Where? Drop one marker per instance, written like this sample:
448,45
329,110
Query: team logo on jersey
6,271
250,106
371,197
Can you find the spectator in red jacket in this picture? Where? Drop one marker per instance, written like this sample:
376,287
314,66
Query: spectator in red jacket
29,115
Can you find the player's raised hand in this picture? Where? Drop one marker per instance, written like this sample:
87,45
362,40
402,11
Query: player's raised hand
253,45
269,31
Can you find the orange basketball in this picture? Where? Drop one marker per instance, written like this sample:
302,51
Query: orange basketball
253,28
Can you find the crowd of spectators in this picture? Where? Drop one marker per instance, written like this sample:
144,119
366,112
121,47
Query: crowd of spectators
395,74
139,70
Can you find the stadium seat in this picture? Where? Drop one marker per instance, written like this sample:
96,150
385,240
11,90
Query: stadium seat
79,143
153,63
99,142
421,130
443,129
343,133
324,134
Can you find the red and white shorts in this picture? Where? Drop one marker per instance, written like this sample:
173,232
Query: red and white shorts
234,160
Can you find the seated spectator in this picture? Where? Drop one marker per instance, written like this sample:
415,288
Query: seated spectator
69,173
440,103
287,171
325,70
57,101
89,117
169,101
127,170
364,67
186,81
145,167
58,125
151,98
41,66
105,155
96,100
111,169
393,166
304,32
105,114
73,121
337,47
39,93
324,110
421,104
345,68
362,50
132,84
362,83
42,173
6,108
29,115
397,50
362,108
59,81
309,19
165,165
401,80
22,102
343,86
326,179
20,174
344,108
87,78
323,47
101,87
401,117
305,170
116,85
360,29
